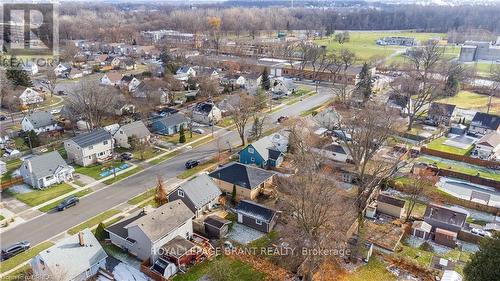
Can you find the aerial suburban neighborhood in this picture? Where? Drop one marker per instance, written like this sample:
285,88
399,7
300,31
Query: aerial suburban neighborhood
250,140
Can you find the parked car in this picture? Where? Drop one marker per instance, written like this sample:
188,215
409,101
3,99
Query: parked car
68,202
198,131
15,249
3,117
126,156
191,164
282,119
479,231
55,111
61,93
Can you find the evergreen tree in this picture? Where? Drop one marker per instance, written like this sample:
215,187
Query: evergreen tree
31,139
266,81
182,135
260,99
452,86
233,195
365,83
19,77
256,131
100,233
483,265
330,30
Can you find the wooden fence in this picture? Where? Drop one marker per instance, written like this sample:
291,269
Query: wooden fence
461,158
470,178
8,183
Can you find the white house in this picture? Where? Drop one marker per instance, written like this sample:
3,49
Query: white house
44,170
135,129
89,148
75,258
206,113
61,69
335,152
235,80
488,147
39,121
112,79
30,96
133,84
31,68
184,72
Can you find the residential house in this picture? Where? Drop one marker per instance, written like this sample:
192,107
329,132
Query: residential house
3,167
484,123
441,113
328,118
234,80
39,121
127,64
253,82
282,86
143,234
75,258
391,206
133,84
184,72
30,67
122,107
266,152
256,216
216,227
488,147
135,129
421,229
199,194
248,181
101,59
211,73
75,73
206,113
44,170
445,222
112,79
90,148
170,124
30,96
115,63
62,69
336,152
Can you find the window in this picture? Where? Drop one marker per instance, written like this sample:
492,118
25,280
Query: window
258,222
251,150
252,159
101,153
180,192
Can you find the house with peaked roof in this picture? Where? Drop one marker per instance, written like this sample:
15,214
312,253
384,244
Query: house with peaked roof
441,113
248,181
184,72
484,123
234,80
143,234
90,148
446,224
266,152
170,124
256,216
199,194
216,227
206,113
44,170
335,151
112,79
135,129
133,84
488,147
76,258
390,205
39,121
62,69
30,96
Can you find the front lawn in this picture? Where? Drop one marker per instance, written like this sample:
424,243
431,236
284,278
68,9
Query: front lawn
94,171
126,174
24,256
175,138
51,206
94,221
37,197
438,144
141,197
193,171
226,122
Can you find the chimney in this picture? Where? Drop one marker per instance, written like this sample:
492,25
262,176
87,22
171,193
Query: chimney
80,239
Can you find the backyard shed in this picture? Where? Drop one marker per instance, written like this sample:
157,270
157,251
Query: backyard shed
421,229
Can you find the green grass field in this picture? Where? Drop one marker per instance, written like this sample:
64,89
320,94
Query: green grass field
38,197
363,43
51,206
141,197
463,168
438,144
374,270
94,221
94,171
475,101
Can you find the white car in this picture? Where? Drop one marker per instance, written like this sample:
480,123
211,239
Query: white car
479,232
55,111
198,131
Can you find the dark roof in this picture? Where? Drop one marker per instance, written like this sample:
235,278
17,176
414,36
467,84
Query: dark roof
216,221
391,200
200,190
445,215
127,78
442,109
486,120
119,227
399,100
256,211
242,175
203,107
172,119
274,154
91,138
335,148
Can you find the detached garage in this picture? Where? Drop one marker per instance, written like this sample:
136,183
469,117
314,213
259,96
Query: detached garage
421,229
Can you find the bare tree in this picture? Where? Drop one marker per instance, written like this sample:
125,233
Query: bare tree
422,83
51,82
495,88
414,189
161,196
339,63
93,102
241,112
215,24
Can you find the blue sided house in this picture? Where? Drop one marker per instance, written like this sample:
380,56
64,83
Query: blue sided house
170,124
267,152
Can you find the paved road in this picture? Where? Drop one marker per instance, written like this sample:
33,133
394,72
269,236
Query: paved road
51,224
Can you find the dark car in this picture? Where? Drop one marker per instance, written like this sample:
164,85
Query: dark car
15,249
68,202
282,119
3,117
191,164
126,156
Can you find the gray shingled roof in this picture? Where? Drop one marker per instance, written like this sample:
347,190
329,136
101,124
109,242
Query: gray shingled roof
137,129
486,120
391,200
92,138
242,175
445,215
173,119
443,109
41,119
163,220
69,257
256,211
200,190
46,164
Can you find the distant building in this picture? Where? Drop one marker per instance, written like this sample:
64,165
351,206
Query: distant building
479,50
441,113
397,41
39,121
484,123
206,113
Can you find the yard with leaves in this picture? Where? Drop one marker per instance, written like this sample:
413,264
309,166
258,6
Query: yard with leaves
438,144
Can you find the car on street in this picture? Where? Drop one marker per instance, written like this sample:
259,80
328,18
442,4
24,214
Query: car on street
282,119
61,93
126,156
55,111
3,117
198,131
68,202
15,249
191,164
479,232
